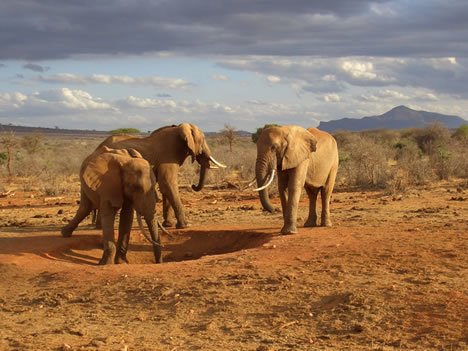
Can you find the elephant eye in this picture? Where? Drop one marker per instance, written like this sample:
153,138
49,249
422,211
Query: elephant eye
136,188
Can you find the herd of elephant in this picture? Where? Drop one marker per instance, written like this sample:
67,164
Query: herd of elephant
121,174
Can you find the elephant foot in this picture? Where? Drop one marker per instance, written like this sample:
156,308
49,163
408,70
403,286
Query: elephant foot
310,223
121,259
108,257
105,260
67,232
289,230
168,224
326,223
183,225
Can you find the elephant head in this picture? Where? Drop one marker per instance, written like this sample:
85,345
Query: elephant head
198,149
139,186
280,148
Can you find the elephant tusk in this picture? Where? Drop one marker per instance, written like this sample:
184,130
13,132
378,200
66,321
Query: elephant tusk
250,184
165,230
220,165
140,223
272,175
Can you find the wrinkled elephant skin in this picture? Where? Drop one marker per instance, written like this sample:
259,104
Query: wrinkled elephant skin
303,159
112,180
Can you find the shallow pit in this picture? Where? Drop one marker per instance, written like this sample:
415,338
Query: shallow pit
183,245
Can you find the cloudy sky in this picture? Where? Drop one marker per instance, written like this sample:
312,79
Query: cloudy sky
147,63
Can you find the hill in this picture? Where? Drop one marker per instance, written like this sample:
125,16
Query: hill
398,118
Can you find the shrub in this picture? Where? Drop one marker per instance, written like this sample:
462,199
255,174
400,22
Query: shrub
429,139
461,132
124,131
3,158
394,160
31,142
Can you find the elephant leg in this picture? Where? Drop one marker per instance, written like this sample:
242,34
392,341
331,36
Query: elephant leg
326,194
108,218
168,213
98,222
168,183
83,211
295,185
283,190
312,192
125,226
154,232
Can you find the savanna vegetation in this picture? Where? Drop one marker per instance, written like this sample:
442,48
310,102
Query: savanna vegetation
392,160
389,275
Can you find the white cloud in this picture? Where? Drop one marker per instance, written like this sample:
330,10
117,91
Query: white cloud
364,72
73,79
219,77
133,101
273,79
51,102
392,94
331,98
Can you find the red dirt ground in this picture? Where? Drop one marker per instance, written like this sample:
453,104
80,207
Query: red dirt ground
391,274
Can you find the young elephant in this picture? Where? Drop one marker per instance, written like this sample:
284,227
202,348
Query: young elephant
112,180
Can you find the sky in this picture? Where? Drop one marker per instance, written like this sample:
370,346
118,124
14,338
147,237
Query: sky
101,65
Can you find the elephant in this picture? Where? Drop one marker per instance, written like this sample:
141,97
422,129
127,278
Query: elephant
304,158
112,180
166,150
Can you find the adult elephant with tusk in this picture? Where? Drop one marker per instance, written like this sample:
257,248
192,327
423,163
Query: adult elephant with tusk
166,150
303,158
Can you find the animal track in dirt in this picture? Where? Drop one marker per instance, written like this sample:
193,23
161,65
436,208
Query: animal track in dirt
183,245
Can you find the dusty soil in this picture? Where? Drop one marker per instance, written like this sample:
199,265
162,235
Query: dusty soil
391,274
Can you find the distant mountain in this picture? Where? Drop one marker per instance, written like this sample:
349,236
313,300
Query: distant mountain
398,118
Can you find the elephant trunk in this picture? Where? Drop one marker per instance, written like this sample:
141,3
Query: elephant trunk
205,165
262,175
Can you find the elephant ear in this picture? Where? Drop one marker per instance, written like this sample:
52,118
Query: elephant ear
103,176
300,143
134,153
191,135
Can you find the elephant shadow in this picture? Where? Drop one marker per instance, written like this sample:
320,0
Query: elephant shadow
85,245
46,242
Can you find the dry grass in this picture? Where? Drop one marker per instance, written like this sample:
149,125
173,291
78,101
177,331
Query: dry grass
392,160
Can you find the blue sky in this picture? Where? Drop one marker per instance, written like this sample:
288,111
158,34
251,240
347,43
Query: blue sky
145,64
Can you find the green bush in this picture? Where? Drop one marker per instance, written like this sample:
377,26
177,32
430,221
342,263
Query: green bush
461,132
124,131
3,158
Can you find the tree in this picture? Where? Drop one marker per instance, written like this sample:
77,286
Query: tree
461,132
229,133
9,140
124,131
259,131
31,142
